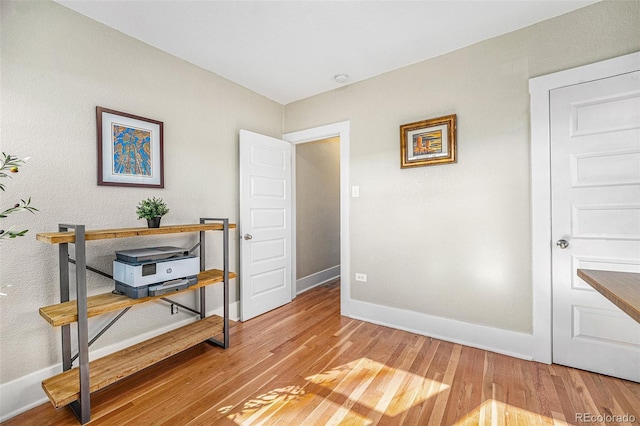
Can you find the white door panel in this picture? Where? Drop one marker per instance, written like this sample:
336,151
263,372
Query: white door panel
606,168
595,175
265,224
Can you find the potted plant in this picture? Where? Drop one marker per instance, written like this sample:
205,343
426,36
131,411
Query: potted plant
152,209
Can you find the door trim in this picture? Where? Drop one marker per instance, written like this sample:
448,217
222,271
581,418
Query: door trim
342,130
539,89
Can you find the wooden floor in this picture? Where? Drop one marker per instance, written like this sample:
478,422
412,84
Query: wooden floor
304,364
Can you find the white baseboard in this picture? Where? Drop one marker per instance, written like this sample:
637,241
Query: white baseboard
511,343
319,278
25,393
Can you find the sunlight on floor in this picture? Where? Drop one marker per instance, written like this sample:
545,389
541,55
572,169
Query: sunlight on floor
330,396
492,412
395,390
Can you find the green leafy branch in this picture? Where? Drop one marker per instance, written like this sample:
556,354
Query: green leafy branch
12,164
21,206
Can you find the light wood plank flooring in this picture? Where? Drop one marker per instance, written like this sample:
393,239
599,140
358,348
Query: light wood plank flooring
304,364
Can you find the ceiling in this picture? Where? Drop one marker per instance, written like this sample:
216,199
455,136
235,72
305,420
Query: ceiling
290,50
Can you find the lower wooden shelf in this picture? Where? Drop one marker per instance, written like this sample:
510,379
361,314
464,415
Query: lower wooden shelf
64,388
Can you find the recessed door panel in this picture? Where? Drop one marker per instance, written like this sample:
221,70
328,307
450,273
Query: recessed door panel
622,264
606,169
606,222
267,282
267,156
606,326
606,114
270,250
268,187
263,219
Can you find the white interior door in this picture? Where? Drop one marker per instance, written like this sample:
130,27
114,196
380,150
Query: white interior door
265,224
595,175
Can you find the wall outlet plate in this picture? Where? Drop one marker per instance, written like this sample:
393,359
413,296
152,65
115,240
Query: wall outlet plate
361,277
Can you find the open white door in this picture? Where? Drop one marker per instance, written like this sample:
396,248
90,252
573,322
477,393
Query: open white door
595,175
265,224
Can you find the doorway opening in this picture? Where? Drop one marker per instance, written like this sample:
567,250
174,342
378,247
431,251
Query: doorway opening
317,213
339,132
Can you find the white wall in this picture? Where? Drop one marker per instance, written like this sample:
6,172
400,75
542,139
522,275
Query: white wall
453,241
57,66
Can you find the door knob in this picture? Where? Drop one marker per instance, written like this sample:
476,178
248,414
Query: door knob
248,236
563,244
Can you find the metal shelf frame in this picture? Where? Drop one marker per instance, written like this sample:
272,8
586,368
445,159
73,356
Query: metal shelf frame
82,407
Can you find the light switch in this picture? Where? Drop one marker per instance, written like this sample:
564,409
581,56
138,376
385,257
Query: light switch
355,191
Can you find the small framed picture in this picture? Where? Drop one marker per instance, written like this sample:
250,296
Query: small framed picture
428,142
130,150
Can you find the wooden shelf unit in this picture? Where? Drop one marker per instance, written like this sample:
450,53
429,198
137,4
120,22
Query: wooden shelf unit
73,386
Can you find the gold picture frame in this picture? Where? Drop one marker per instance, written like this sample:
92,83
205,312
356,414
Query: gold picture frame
428,142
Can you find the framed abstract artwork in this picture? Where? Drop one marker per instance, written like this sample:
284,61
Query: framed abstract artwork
428,142
130,150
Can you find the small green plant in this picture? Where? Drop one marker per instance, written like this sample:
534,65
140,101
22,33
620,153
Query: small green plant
12,164
151,207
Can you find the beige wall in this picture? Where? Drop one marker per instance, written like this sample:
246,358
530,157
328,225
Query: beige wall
317,206
454,241
57,66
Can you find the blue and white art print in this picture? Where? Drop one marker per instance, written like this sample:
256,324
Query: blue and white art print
130,150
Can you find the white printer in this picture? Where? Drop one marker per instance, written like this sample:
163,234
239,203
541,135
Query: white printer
154,271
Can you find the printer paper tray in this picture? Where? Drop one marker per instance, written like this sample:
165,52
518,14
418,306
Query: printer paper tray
157,289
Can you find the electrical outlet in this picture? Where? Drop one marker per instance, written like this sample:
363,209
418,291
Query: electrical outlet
361,277
174,309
